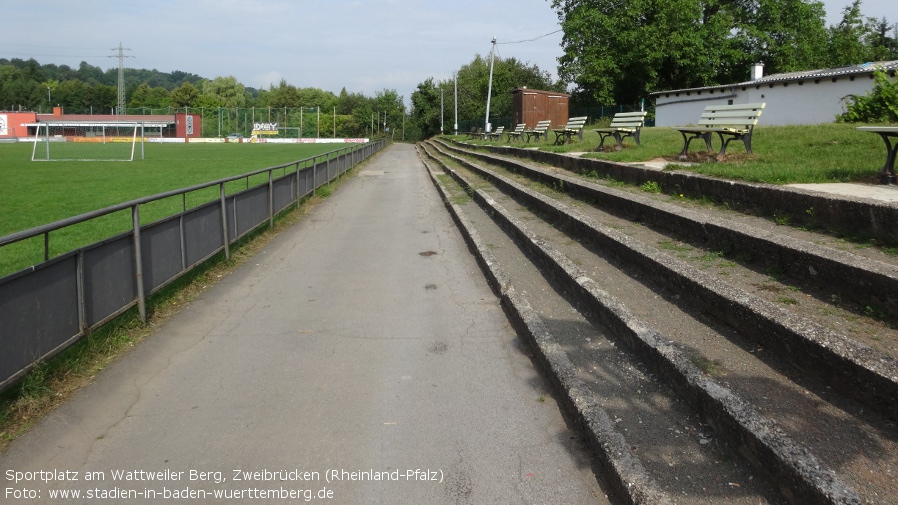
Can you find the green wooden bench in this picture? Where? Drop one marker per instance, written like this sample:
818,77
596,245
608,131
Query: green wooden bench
573,127
729,122
887,173
496,134
623,125
541,128
517,133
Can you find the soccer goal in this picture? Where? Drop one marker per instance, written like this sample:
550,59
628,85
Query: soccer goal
67,141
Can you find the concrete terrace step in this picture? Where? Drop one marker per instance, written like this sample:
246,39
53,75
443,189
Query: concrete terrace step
855,477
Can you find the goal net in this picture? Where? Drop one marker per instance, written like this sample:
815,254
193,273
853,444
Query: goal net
65,141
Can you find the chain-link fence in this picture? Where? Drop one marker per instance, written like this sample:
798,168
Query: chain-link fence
597,115
283,122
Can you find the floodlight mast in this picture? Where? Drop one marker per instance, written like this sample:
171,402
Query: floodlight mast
489,91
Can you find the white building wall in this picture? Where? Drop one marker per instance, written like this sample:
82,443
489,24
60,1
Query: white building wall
811,101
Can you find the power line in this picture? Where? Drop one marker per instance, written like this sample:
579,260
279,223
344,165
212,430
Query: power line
531,40
32,55
55,51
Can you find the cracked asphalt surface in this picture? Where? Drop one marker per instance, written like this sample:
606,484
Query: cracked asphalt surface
362,339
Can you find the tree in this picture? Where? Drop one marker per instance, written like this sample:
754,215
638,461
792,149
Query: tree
185,95
145,96
348,102
73,96
884,46
786,35
284,95
90,75
90,90
473,86
19,88
224,92
315,97
388,106
846,45
426,108
619,52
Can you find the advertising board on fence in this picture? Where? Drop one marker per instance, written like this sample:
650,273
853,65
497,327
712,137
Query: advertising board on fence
310,141
173,140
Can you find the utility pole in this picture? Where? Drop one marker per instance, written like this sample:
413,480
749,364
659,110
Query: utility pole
455,81
120,109
489,91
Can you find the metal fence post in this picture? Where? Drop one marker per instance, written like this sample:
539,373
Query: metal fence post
79,280
296,184
270,201
138,263
224,221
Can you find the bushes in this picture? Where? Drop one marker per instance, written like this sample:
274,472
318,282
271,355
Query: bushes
880,105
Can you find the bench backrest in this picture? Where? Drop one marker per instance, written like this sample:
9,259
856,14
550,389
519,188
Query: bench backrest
743,116
576,123
543,125
628,119
499,129
519,128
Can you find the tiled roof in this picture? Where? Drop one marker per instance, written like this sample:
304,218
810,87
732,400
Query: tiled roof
105,118
864,68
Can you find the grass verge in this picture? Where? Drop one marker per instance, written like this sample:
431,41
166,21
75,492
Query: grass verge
824,153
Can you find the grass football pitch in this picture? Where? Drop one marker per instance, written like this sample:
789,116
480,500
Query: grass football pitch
36,193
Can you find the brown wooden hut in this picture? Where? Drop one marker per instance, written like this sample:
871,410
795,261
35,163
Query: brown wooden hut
532,105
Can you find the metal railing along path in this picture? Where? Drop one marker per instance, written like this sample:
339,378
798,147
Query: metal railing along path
49,306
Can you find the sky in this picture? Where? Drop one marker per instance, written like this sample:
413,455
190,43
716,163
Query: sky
365,46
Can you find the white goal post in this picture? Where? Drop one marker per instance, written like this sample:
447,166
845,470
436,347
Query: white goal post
88,141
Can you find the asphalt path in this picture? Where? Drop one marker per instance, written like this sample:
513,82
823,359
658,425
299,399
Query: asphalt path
359,358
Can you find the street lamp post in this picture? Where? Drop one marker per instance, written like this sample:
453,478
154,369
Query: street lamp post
489,91
455,81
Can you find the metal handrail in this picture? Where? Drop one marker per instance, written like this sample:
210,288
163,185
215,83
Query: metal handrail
63,223
41,345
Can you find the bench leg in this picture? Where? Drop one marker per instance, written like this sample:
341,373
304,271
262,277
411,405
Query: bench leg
602,137
617,138
687,139
620,141
887,174
746,139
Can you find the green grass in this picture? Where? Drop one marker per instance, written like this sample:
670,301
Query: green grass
37,193
781,154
